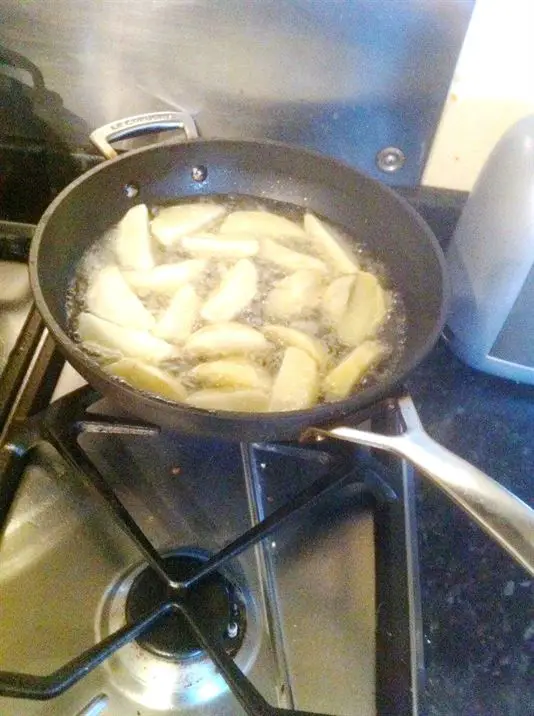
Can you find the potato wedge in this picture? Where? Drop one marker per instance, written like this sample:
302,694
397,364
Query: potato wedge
293,296
260,223
235,292
147,377
176,221
226,339
297,384
133,243
110,297
329,246
231,374
165,279
213,246
130,342
245,401
341,380
288,259
336,299
366,310
176,324
292,337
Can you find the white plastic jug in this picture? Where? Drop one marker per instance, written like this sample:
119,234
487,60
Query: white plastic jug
491,263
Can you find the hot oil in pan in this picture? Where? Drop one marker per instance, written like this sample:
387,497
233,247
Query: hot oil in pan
392,330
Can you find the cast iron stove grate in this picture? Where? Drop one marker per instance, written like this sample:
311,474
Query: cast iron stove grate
67,419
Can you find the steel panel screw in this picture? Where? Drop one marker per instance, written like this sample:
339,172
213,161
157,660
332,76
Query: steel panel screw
199,173
390,159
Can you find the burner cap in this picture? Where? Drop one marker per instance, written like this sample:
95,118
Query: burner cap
215,603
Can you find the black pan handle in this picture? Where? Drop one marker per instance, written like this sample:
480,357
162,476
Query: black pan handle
141,124
506,518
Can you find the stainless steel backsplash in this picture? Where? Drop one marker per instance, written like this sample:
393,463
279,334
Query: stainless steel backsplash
345,77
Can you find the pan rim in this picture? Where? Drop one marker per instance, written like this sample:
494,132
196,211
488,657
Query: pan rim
319,414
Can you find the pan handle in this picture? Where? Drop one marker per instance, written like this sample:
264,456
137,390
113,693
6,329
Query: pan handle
141,124
507,519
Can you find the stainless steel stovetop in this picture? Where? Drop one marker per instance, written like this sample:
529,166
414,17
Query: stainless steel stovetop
329,602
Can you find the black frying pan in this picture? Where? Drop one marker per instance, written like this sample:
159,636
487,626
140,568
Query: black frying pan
369,211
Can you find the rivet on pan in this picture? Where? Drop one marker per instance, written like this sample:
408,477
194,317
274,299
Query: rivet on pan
199,173
232,630
131,190
390,159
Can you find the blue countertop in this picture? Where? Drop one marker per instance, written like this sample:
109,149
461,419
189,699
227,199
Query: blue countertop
478,605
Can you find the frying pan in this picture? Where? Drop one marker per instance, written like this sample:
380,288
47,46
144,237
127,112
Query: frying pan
369,211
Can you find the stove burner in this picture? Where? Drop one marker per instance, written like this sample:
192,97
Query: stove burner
166,670
214,602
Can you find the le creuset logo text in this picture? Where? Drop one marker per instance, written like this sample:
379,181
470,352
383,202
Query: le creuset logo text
130,121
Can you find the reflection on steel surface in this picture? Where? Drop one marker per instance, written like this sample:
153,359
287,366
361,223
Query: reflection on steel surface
346,78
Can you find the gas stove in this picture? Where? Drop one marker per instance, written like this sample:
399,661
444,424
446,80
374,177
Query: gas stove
145,572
